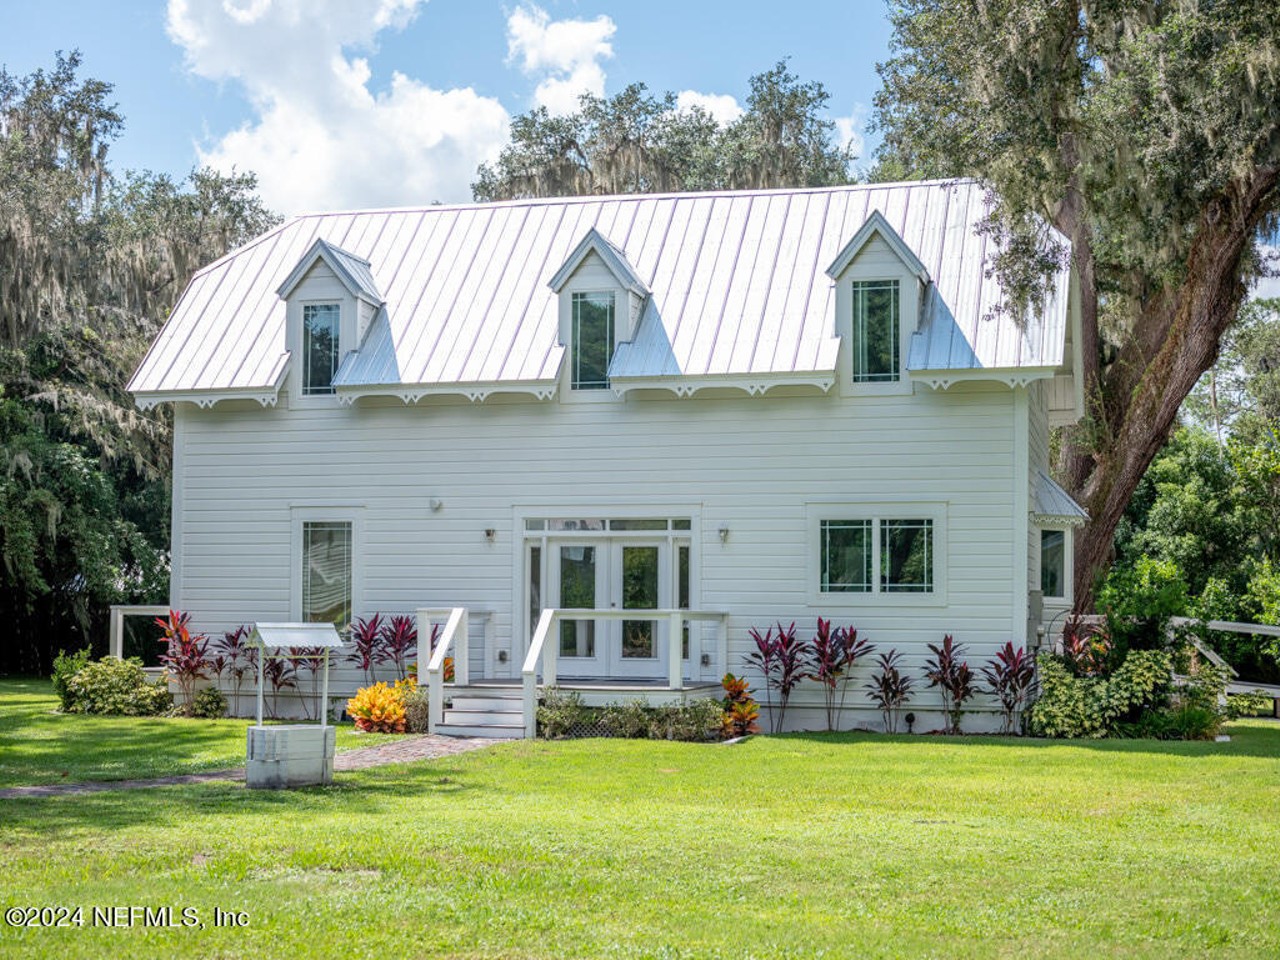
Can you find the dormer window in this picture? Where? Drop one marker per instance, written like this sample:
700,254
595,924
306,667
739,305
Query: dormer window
593,330
876,336
321,324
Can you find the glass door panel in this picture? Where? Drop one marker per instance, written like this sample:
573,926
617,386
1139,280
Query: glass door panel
639,592
578,581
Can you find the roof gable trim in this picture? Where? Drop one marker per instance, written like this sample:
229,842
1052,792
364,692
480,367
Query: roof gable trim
614,259
877,224
351,270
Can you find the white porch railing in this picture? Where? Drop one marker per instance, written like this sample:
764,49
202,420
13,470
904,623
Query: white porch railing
115,639
546,655
455,624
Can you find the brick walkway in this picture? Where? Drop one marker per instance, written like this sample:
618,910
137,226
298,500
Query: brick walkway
408,750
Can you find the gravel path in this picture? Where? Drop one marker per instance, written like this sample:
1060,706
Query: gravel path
408,750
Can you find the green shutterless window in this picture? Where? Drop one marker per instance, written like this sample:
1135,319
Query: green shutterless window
592,348
319,347
875,331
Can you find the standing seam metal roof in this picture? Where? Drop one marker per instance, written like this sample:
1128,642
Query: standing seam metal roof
737,287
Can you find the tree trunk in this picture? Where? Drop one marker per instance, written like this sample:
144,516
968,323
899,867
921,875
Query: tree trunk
1141,393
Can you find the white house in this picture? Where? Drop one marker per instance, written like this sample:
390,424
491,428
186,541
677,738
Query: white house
711,411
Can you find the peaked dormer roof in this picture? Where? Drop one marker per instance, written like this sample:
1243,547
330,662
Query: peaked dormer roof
354,272
874,225
614,259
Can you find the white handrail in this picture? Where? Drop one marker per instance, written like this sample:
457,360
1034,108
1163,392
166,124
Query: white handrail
546,655
455,625
115,640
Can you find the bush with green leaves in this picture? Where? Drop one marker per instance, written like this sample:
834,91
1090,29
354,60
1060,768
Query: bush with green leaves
115,686
416,702
631,720
65,666
693,722
1138,601
1255,704
209,703
560,712
1080,707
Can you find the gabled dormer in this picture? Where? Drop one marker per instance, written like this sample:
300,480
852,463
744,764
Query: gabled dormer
601,300
880,283
331,300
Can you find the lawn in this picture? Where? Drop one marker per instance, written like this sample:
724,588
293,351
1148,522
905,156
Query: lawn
39,746
799,846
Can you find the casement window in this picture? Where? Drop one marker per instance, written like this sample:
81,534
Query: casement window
592,347
320,326
1053,564
327,572
875,331
877,550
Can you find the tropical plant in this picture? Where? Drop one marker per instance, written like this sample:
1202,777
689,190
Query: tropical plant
1009,676
377,709
740,710
1086,647
237,660
282,675
115,686
1090,707
312,659
210,704
783,659
952,676
366,636
890,688
186,657
399,639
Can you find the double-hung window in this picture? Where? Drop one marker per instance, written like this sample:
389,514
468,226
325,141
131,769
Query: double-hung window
875,331
592,347
320,324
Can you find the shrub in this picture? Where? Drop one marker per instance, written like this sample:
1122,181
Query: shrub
1256,704
416,706
953,677
631,720
833,654
1086,648
890,688
1009,676
366,636
235,658
209,704
115,686
399,639
560,712
782,658
66,666
693,722
740,711
1071,706
377,709
1138,601
185,658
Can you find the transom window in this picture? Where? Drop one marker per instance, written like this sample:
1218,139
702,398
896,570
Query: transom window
876,555
875,331
319,347
592,347
326,572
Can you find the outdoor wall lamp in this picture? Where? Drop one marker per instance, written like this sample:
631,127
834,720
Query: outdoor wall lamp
490,534
724,534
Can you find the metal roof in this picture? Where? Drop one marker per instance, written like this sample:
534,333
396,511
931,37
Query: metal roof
295,635
737,286
1051,504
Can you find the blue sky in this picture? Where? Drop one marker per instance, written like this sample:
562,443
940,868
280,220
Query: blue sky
348,103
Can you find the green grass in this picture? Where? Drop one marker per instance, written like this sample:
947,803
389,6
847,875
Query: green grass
801,846
40,746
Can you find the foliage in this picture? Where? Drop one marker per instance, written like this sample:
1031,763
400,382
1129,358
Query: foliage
634,142
1072,707
560,712
280,674
115,686
312,660
89,267
890,688
1086,647
209,704
1255,704
66,666
630,720
833,653
366,637
1177,722
417,712
1009,676
186,658
377,709
695,721
399,637
741,712
1148,135
235,658
952,676
782,658
1138,602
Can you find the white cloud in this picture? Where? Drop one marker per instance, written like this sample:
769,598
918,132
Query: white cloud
723,108
849,130
565,53
320,138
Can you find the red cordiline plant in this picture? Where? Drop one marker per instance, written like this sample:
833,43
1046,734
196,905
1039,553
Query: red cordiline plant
1085,647
953,677
281,674
833,653
366,635
186,655
783,659
1009,676
311,658
890,688
399,639
237,660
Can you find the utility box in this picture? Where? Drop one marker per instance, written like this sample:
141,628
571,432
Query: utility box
291,755
295,754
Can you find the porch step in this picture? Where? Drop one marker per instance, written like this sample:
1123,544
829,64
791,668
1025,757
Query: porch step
490,733
487,702
484,718
484,715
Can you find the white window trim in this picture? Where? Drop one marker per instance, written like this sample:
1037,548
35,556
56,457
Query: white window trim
875,511
1068,565
337,513
298,360
910,292
570,341
567,393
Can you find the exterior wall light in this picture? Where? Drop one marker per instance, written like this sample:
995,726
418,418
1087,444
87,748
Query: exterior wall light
490,534
724,534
